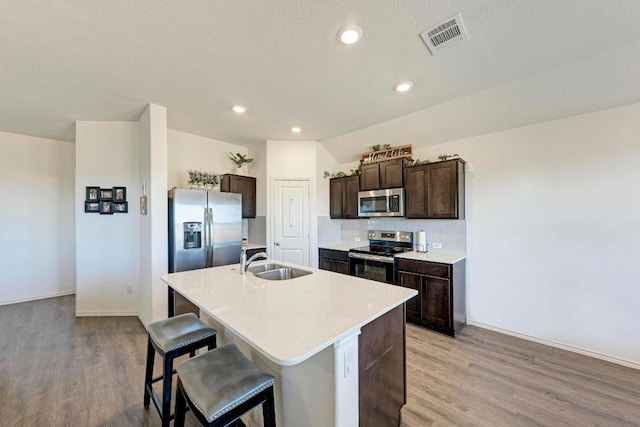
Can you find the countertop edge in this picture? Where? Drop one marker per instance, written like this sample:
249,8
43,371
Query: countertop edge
440,257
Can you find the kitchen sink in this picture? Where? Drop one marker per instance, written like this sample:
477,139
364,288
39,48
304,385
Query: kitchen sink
283,273
258,268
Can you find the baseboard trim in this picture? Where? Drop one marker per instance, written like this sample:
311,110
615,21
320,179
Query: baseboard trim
38,297
561,346
106,314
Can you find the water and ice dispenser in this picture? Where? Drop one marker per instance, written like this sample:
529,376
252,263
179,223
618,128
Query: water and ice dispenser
192,235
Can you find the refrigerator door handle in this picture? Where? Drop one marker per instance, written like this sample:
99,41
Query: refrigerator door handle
206,238
210,260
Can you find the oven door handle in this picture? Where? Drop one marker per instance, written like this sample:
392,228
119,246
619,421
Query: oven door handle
366,257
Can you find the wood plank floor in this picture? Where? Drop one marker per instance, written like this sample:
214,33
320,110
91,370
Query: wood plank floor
58,370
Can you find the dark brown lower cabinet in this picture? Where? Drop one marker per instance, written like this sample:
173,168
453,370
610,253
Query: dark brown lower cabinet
252,252
381,370
441,301
333,260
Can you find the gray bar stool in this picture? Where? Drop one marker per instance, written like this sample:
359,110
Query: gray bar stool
222,385
171,338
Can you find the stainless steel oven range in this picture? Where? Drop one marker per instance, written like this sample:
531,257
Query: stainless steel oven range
375,261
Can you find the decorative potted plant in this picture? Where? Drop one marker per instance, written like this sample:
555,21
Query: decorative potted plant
240,160
200,179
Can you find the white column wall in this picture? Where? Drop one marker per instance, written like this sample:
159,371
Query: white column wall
107,246
36,218
153,226
553,220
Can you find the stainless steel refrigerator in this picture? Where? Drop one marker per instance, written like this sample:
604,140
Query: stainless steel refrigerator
205,229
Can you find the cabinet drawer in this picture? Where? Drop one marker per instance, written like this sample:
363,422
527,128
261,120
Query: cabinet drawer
333,254
423,267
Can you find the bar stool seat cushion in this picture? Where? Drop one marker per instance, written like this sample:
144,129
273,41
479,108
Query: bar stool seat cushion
178,331
221,380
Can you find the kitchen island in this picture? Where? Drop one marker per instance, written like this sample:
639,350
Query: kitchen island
335,343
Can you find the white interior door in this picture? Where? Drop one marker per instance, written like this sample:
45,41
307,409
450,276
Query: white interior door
290,212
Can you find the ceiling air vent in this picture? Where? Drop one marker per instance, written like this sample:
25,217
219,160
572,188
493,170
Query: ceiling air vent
444,35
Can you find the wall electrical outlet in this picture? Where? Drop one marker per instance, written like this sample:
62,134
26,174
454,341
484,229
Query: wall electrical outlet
436,245
129,289
356,239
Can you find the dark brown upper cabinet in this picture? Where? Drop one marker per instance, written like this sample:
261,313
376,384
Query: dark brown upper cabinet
245,185
343,197
376,176
435,190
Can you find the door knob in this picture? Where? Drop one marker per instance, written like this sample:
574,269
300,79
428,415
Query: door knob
277,243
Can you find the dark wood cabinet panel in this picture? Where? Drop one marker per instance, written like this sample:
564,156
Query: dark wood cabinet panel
333,260
426,268
369,177
245,185
381,370
376,176
343,197
437,311
336,196
414,305
445,193
435,190
415,180
325,264
350,202
441,300
341,267
252,252
391,173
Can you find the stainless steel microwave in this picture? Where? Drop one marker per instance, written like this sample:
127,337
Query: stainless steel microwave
388,202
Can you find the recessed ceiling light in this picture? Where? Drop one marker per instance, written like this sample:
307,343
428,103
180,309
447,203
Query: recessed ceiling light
296,130
239,108
350,34
403,86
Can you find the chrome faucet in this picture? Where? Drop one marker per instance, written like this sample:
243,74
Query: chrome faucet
244,262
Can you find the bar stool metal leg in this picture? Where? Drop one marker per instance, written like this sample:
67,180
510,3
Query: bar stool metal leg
172,338
151,352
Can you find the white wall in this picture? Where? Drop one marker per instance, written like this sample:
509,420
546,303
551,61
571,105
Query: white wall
187,151
294,159
324,162
553,220
153,226
36,218
107,246
258,169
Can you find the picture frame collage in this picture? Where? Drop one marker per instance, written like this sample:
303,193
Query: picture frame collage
106,201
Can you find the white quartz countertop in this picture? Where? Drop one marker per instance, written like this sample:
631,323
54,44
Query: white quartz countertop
442,257
288,321
344,246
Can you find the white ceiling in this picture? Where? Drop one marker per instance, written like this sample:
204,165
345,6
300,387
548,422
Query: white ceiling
525,61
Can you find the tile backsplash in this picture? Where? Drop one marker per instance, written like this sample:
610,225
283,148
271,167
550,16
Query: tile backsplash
452,234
